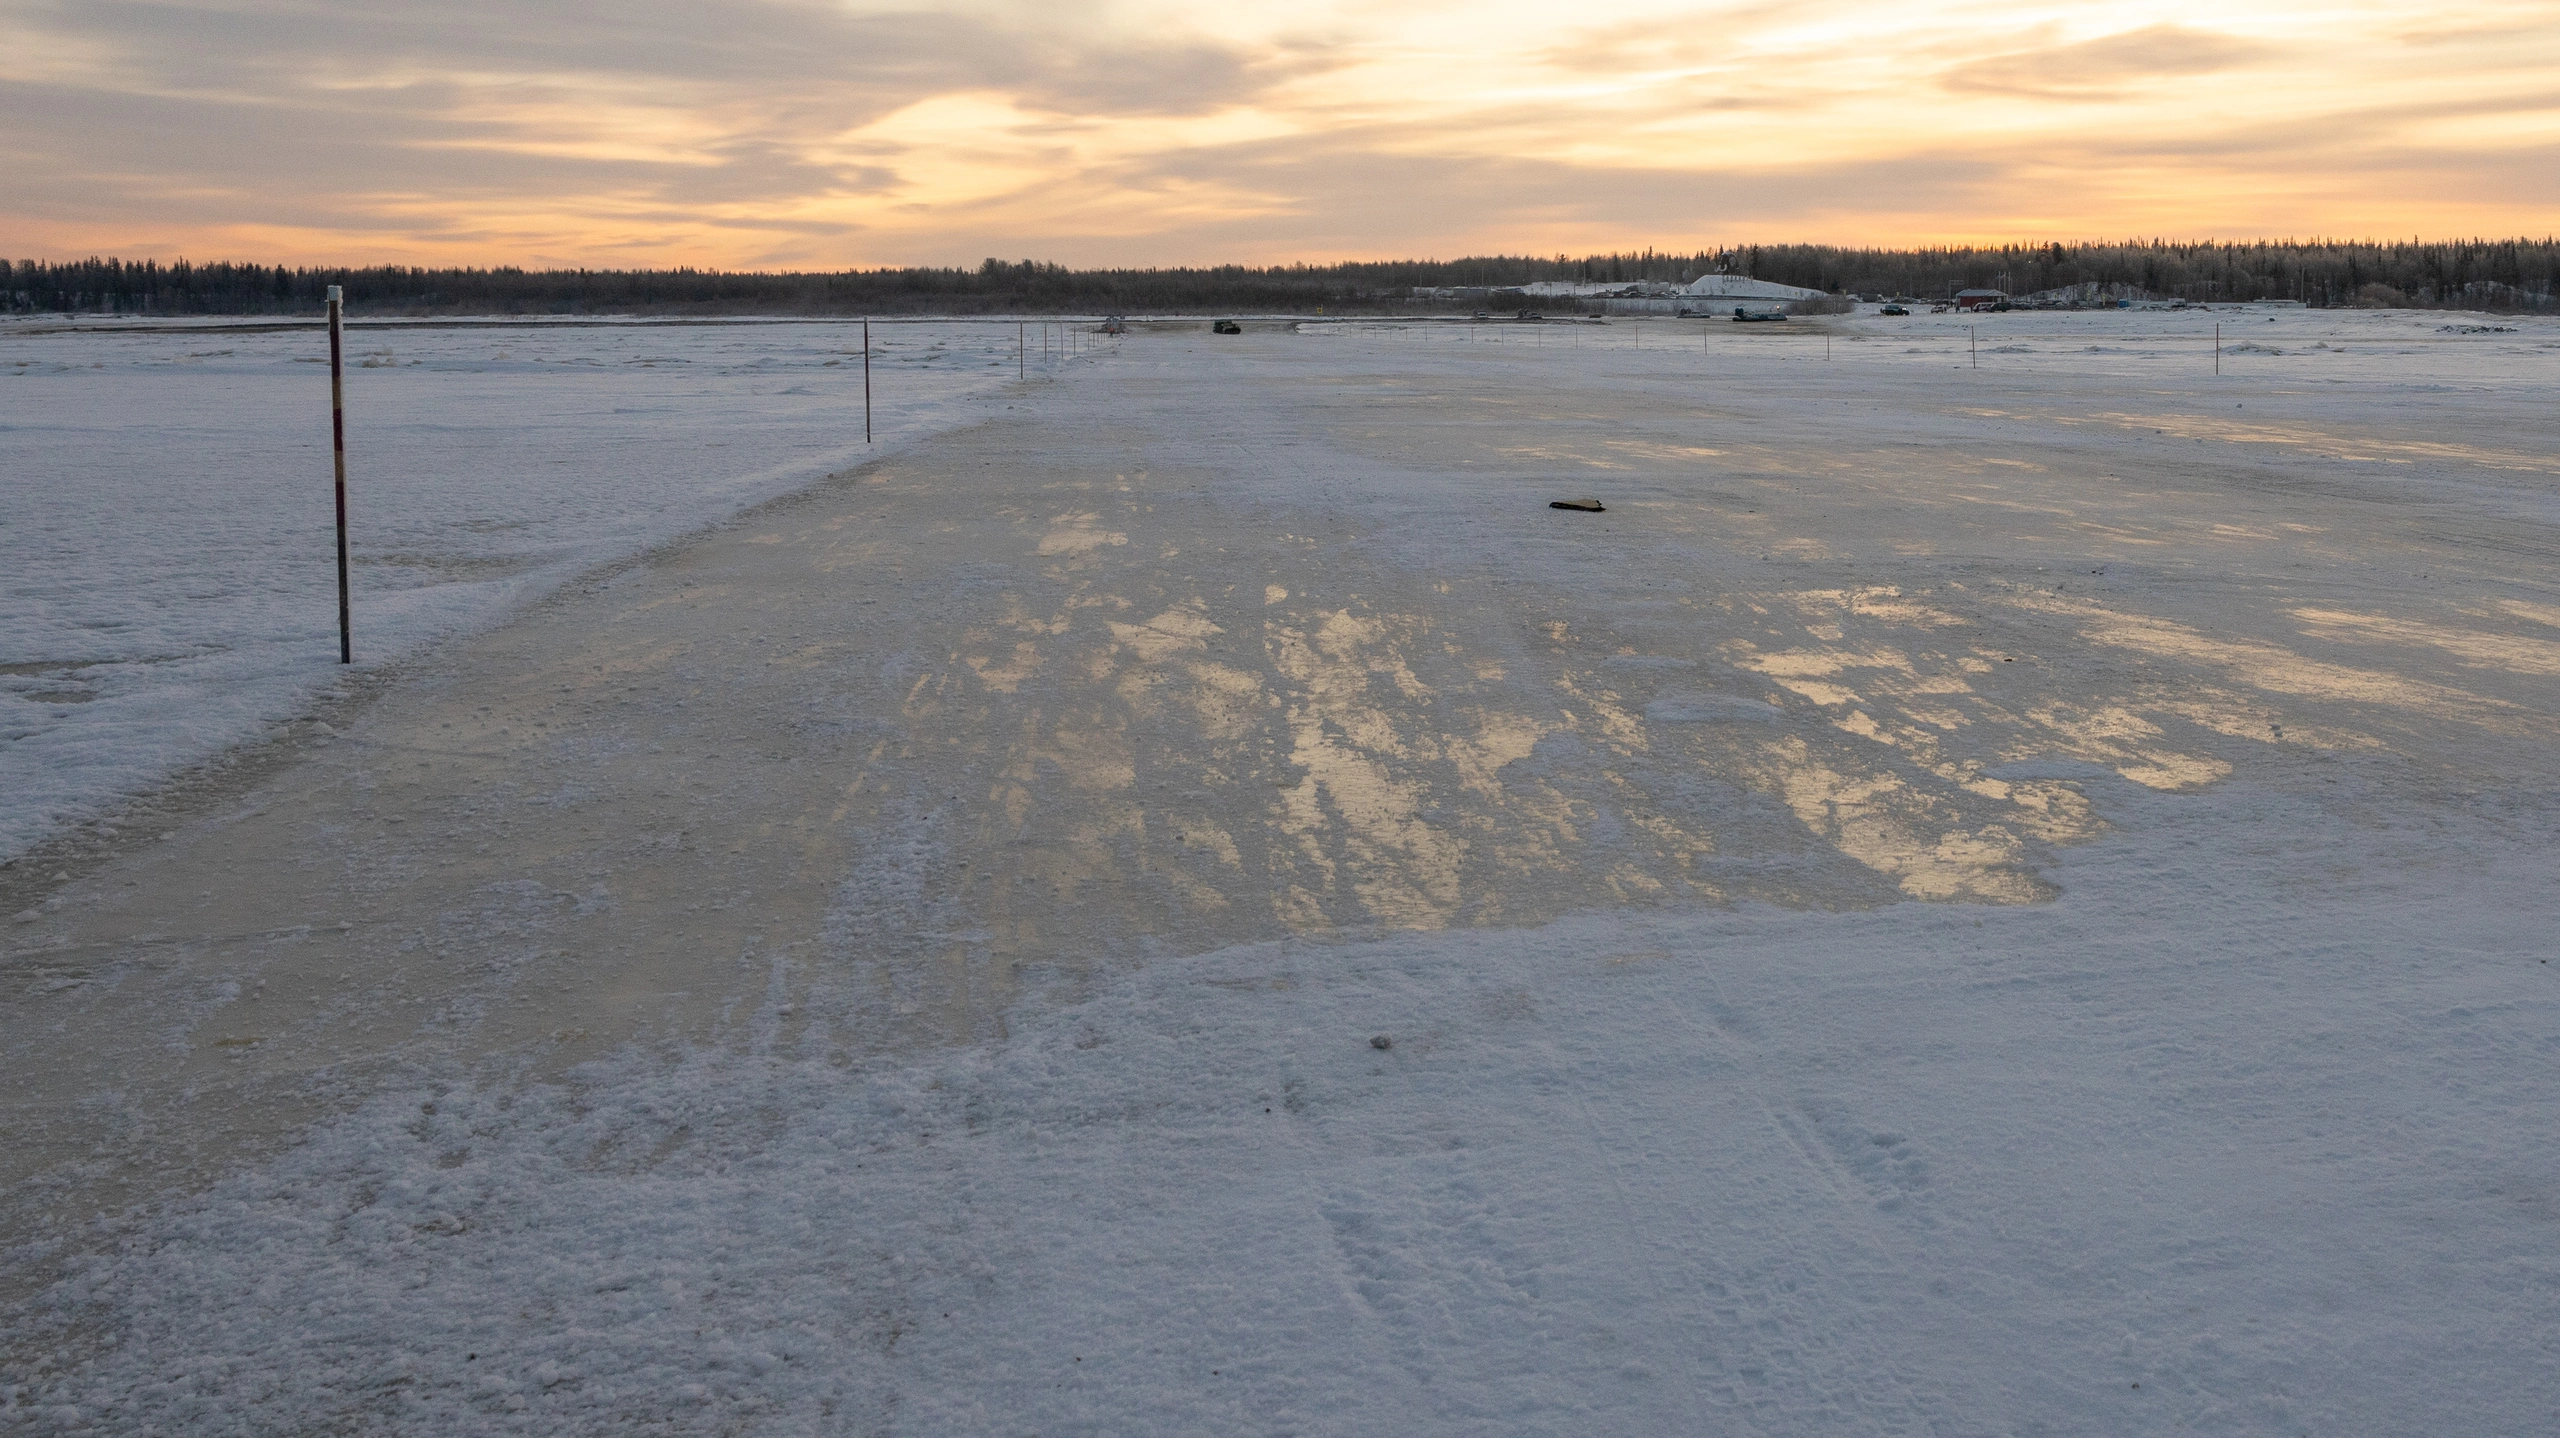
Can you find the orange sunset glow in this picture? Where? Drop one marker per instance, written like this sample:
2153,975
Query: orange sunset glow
784,134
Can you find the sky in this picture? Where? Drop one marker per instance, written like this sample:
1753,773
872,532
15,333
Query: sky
786,134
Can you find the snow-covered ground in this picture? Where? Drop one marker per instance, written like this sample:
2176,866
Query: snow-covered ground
2273,1161
2002,900
165,505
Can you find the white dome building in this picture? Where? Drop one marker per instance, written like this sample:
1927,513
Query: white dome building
1737,287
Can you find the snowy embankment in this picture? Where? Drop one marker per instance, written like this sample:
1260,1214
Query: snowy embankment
165,507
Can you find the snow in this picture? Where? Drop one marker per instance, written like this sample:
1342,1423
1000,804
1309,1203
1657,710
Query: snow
2005,900
165,524
1760,1173
2028,1171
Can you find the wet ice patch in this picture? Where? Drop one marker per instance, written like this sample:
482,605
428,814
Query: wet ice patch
1711,709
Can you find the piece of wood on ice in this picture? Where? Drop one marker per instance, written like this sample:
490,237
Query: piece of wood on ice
1591,505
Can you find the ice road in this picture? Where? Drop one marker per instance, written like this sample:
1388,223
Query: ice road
2010,899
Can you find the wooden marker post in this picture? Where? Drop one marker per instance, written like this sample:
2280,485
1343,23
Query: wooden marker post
866,379
338,443
1972,348
1021,349
2217,347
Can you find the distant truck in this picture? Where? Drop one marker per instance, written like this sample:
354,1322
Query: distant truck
1226,327
1742,316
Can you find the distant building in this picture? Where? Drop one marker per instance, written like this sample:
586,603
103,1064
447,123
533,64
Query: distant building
1978,299
1713,295
1738,287
1592,290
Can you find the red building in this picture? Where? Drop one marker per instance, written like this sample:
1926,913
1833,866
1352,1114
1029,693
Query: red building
1978,299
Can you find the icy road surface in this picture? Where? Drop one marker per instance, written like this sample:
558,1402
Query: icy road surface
2010,900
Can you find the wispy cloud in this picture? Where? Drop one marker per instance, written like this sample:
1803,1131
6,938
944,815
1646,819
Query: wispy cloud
2111,67
835,132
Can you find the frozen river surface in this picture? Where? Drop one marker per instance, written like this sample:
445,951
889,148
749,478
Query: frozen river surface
2003,886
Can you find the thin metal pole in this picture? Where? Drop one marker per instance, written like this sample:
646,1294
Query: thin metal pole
1974,349
1021,349
2217,348
338,443
866,379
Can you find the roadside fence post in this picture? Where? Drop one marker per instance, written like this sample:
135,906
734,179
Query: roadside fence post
338,445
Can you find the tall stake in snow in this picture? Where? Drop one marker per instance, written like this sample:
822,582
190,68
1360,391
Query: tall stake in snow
1971,348
338,443
866,379
1021,349
2217,347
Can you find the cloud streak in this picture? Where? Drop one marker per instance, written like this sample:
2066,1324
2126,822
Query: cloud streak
796,133
2112,67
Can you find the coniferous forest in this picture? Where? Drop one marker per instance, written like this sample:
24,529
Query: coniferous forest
2502,275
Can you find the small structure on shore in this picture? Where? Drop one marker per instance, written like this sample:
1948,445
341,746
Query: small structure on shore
1981,300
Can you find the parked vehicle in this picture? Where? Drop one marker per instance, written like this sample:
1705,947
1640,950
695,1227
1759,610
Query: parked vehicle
1893,310
1226,327
1742,316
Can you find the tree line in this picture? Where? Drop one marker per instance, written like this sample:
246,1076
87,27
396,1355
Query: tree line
2506,275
